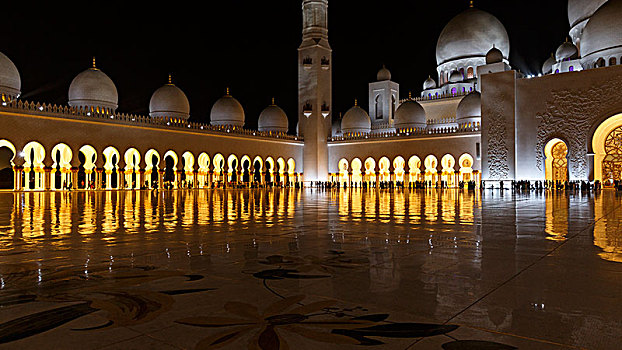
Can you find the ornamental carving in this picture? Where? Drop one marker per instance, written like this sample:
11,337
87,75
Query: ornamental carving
570,114
497,148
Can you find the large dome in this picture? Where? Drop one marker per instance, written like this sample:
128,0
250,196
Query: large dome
410,114
273,118
169,101
580,10
93,88
471,34
227,111
356,120
603,33
10,81
470,107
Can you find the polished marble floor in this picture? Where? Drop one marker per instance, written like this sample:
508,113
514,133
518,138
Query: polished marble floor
309,269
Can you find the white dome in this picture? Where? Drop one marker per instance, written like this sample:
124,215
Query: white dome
227,111
455,77
547,66
603,32
410,114
383,74
566,51
494,55
580,10
470,107
356,120
169,101
471,34
273,118
429,83
10,81
93,88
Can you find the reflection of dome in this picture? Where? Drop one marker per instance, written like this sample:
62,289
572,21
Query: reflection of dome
93,88
10,81
383,74
603,31
356,120
566,51
471,34
547,66
169,101
494,56
410,114
470,107
455,77
273,118
429,84
580,10
227,111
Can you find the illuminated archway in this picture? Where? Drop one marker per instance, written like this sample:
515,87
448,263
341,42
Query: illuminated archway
269,169
414,167
132,168
170,168
556,153
246,167
398,168
466,167
448,173
232,168
86,176
356,166
607,150
7,174
152,161
291,170
112,157
343,171
203,176
219,167
60,177
280,162
431,162
370,169
188,163
384,164
34,173
257,169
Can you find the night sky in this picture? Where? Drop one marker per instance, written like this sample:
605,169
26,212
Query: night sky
250,46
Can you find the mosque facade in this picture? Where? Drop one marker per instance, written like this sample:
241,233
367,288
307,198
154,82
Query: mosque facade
480,120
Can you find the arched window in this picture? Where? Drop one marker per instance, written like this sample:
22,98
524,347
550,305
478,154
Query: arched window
571,69
470,73
600,63
462,73
393,103
612,61
378,107
454,91
556,71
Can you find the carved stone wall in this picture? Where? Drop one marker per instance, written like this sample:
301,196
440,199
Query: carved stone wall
570,115
497,148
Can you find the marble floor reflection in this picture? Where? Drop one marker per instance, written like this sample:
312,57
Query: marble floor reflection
309,269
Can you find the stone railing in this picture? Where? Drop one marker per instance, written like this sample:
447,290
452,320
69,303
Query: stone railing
408,133
110,116
439,97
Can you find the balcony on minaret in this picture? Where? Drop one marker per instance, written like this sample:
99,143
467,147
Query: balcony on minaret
325,63
307,62
307,110
325,110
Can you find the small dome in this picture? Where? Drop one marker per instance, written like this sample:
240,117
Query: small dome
169,101
273,118
429,83
383,74
455,77
603,31
471,34
470,106
547,66
410,114
356,120
227,111
93,88
494,56
566,51
10,81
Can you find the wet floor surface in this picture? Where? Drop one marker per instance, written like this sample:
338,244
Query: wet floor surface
308,269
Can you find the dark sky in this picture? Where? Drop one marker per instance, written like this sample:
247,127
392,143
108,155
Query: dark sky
249,46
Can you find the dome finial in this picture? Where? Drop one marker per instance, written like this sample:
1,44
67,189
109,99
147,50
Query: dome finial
273,102
227,93
471,5
410,95
94,65
170,79
356,102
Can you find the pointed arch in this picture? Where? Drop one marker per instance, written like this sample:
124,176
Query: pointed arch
343,170
357,174
203,162
370,169
414,168
384,166
112,157
466,167
399,165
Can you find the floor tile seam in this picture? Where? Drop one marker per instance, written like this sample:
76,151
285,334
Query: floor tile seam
529,266
538,340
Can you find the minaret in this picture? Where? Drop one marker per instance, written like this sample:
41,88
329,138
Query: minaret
315,89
